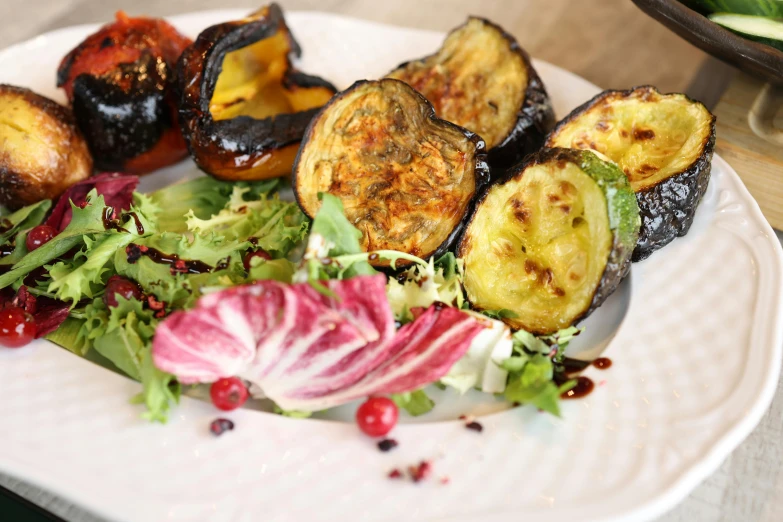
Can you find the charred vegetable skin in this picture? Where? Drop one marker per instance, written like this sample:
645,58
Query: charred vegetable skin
406,178
551,241
481,79
243,107
664,144
120,84
42,152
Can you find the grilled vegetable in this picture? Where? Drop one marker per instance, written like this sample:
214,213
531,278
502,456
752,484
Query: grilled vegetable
758,28
243,107
120,84
552,241
663,143
482,80
406,178
768,8
42,152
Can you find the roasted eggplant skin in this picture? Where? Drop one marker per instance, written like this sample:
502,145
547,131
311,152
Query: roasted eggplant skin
42,151
120,83
391,198
667,208
242,147
534,120
623,215
534,117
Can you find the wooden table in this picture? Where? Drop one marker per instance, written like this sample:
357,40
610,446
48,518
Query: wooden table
610,43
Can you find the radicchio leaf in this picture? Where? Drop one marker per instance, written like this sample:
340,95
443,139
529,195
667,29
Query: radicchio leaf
116,189
306,351
48,313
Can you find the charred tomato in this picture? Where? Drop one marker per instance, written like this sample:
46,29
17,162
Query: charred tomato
120,83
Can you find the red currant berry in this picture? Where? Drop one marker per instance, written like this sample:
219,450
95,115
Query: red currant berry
39,236
377,416
262,254
17,327
118,285
228,393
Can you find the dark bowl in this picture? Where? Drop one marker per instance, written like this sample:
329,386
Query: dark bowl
752,57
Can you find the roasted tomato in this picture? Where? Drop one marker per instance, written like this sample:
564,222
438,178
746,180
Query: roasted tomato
120,83
552,241
482,80
243,107
42,152
663,143
406,178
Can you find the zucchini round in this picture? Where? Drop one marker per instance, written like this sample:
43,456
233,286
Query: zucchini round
663,143
552,241
243,107
481,79
405,177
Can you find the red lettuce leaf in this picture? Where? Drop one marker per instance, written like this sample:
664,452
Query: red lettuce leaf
116,189
48,313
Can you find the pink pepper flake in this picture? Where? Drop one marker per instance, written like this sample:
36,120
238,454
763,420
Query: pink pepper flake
395,474
420,472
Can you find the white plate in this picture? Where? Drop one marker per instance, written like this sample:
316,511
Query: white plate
696,359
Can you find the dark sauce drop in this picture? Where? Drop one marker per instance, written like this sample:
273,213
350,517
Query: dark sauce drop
584,385
223,263
176,265
574,365
137,221
109,223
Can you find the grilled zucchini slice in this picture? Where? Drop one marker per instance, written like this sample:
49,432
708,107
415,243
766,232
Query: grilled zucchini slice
552,241
663,143
406,178
482,80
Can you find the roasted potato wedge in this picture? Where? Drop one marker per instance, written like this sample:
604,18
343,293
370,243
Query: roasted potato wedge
42,152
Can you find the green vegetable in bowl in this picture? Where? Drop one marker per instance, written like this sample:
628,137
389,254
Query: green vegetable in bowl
768,8
757,28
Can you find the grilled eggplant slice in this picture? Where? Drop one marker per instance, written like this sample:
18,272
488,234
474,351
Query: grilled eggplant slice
406,178
42,152
243,107
552,241
663,143
120,83
482,80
